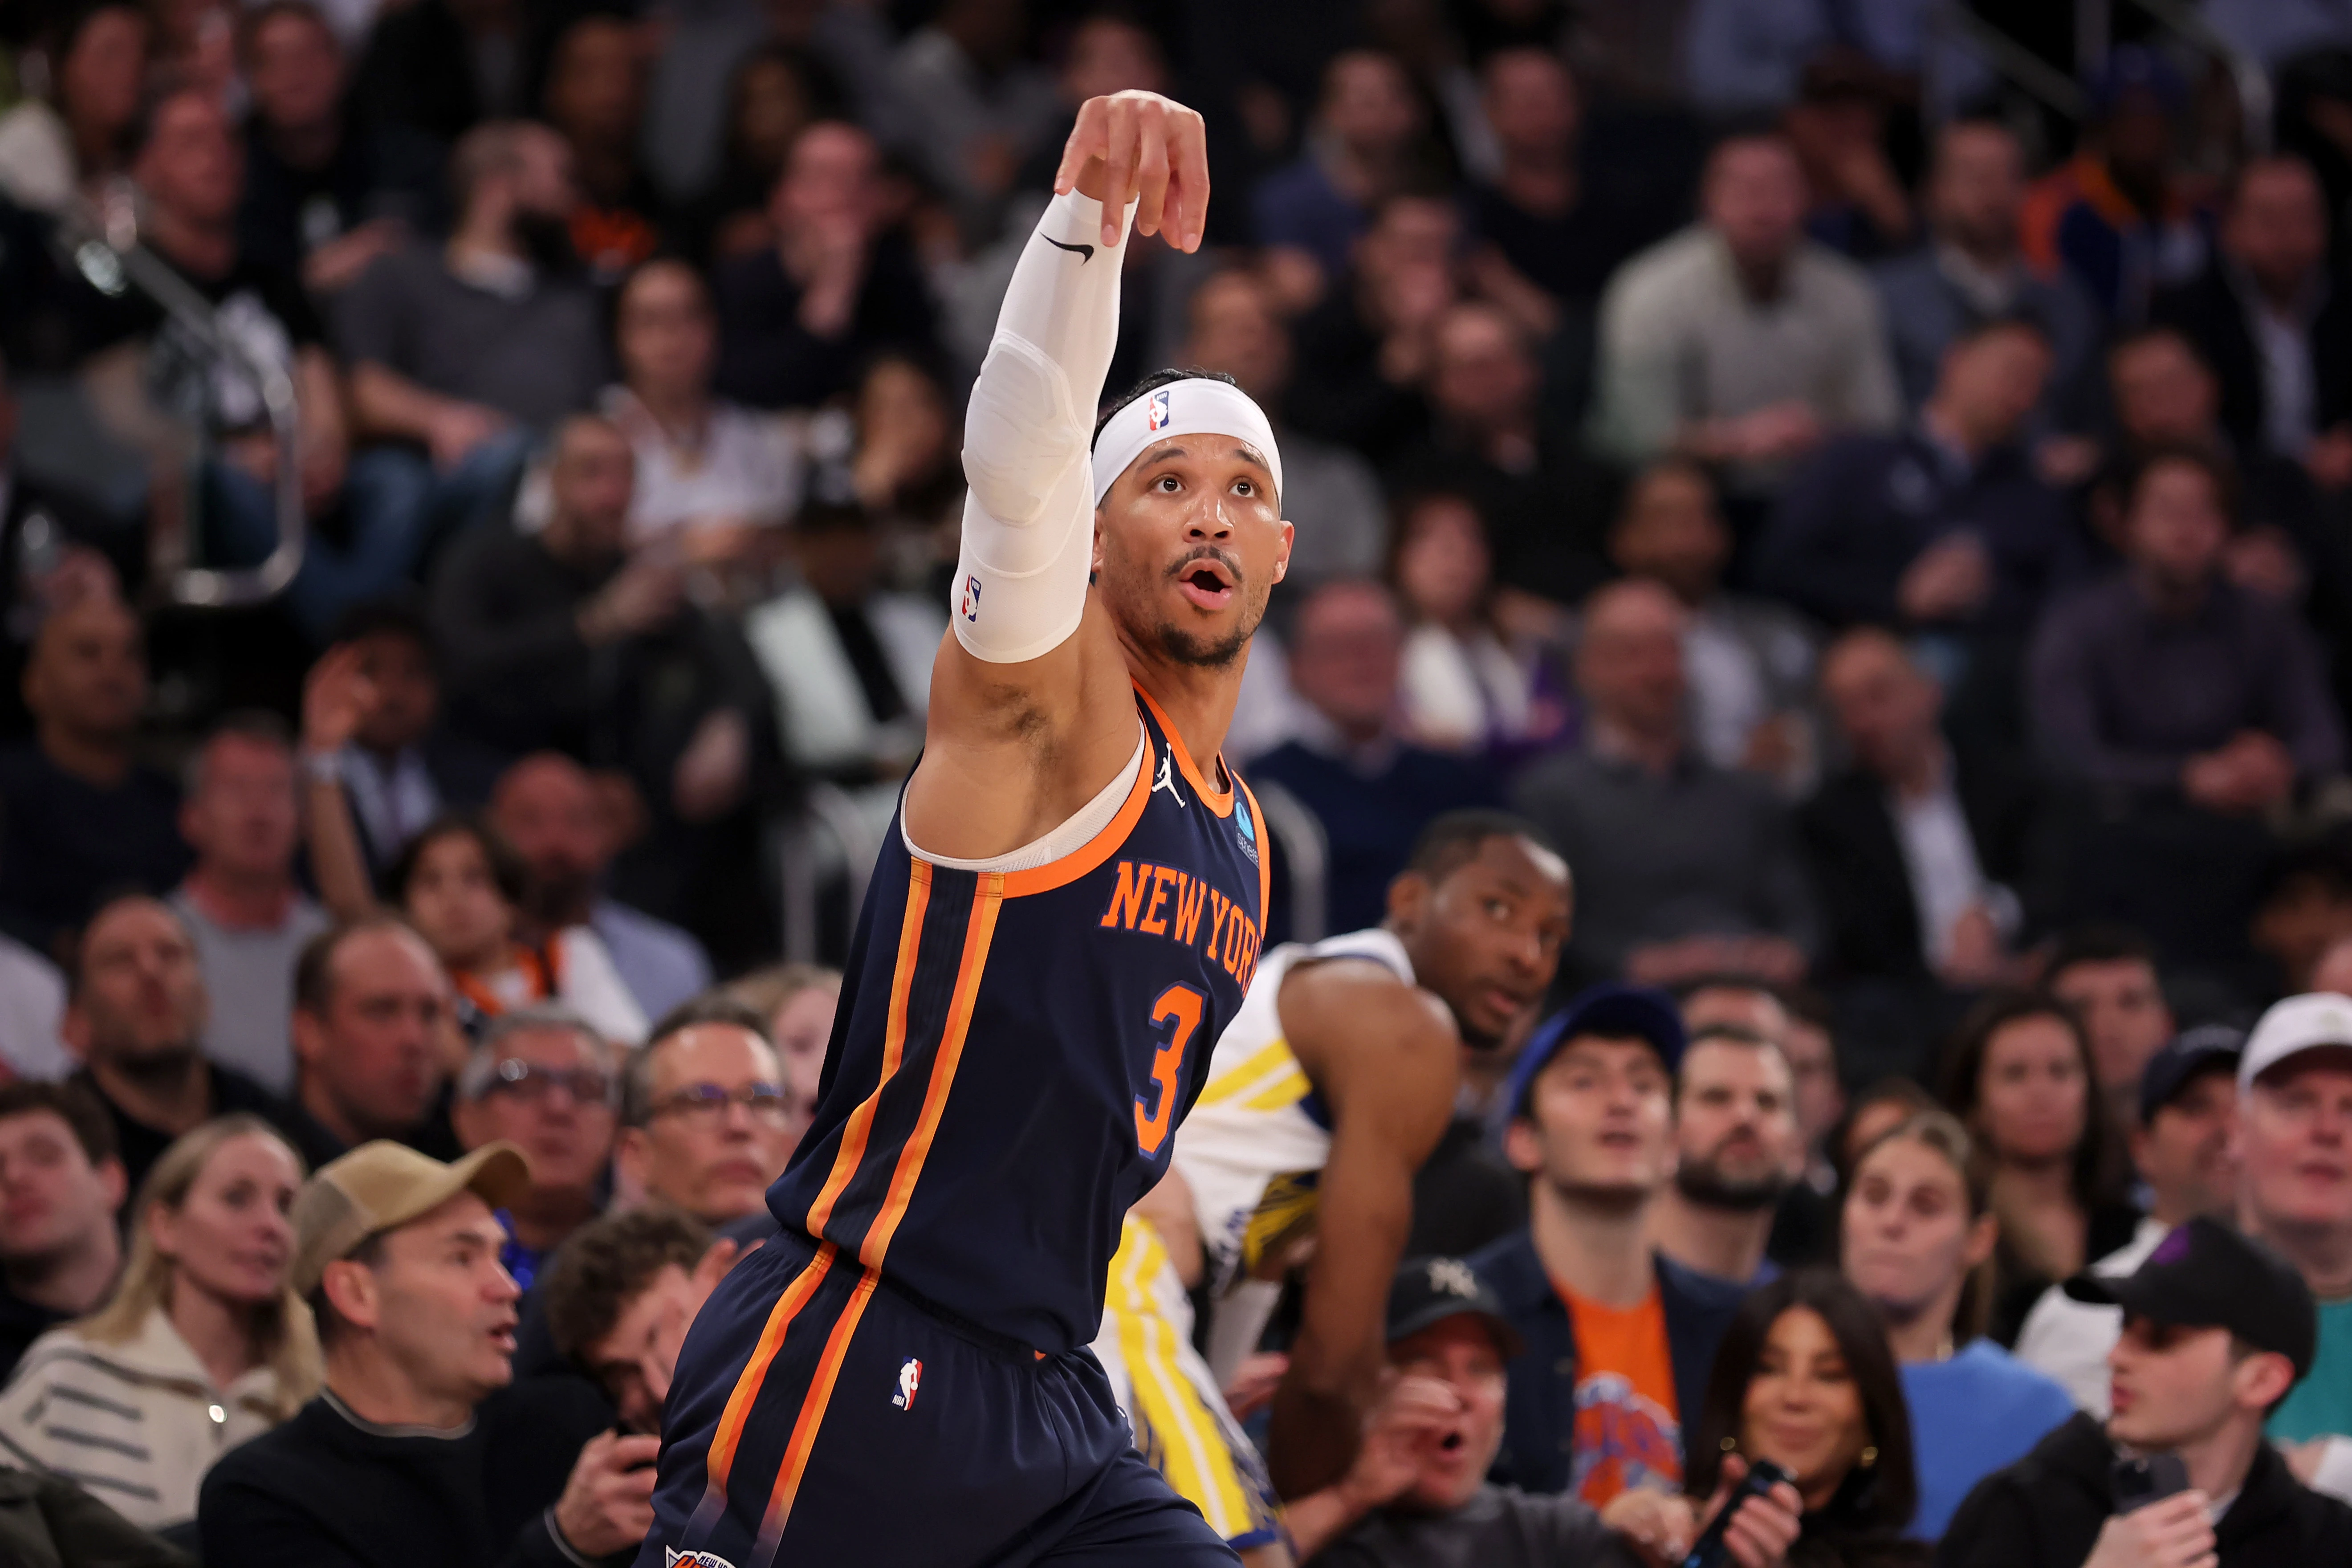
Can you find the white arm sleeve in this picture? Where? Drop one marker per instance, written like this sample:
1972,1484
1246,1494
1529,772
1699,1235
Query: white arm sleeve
1028,519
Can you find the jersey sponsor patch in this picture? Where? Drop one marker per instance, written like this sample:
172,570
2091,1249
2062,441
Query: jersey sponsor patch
672,1557
1248,831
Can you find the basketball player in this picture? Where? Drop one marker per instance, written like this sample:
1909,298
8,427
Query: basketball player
1064,919
1323,1098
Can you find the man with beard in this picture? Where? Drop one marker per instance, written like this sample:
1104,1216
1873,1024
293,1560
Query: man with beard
135,1015
1738,1151
547,808
1324,1096
460,351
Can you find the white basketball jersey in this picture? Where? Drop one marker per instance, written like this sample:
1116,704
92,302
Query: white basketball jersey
1253,1149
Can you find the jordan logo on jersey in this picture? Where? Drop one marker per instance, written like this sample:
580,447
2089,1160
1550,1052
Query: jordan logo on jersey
1167,779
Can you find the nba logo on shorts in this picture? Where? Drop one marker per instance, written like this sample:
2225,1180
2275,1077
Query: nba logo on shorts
1156,415
970,603
911,1377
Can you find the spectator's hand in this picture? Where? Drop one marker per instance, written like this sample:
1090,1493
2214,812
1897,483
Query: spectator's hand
1777,430
1765,1527
1140,147
2263,561
1254,1381
1977,957
1774,745
715,768
608,1503
1412,1418
2329,461
2265,767
339,263
457,428
337,697
2171,1532
1950,581
1662,1525
643,595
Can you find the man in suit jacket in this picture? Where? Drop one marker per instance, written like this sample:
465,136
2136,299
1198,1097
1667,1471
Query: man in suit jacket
403,768
1930,863
2268,320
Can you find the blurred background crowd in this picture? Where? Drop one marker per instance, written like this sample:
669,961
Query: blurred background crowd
1870,479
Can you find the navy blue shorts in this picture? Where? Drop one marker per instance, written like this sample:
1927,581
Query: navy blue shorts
818,1416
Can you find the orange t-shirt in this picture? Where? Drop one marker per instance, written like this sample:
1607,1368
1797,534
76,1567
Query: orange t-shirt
1628,1431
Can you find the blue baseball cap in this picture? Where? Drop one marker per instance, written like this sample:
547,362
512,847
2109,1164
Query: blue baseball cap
1637,1012
2208,1048
2136,68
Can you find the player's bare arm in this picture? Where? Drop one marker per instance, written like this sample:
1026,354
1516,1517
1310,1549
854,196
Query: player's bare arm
1032,713
1384,1055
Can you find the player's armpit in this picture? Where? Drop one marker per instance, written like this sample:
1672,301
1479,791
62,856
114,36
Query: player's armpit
1384,1056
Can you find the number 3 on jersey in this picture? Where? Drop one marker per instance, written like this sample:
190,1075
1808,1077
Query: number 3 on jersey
1181,1006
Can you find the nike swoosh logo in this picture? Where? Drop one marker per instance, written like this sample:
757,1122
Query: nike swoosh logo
1085,253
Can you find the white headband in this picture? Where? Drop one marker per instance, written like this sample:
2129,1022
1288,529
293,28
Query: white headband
1193,406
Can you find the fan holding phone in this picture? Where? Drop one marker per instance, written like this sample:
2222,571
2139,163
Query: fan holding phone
2217,1330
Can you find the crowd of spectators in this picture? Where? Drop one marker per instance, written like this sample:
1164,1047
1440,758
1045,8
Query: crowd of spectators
1893,540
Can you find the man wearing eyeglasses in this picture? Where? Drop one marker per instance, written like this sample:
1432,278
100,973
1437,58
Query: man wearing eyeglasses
541,1078
709,1121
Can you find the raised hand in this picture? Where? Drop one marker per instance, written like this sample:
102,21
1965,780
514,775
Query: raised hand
337,696
1140,147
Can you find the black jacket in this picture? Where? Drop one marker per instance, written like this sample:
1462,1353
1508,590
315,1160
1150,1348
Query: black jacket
49,1523
2212,312
2046,1510
1539,1412
1855,854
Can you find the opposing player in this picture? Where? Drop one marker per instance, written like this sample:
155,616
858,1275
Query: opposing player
1323,1098
1064,919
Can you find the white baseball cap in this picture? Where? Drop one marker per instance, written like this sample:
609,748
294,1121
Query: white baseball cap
2296,1024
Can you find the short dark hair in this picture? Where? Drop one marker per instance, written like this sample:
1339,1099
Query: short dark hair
710,1008
1874,1503
395,614
2099,941
606,1263
2219,471
249,25
105,904
508,873
1963,1080
257,725
1153,383
70,1104
314,967
1453,839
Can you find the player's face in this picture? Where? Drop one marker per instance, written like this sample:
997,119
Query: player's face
1459,1351
1189,543
1487,936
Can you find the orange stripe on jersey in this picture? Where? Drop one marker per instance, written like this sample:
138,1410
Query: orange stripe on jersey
852,1152
986,898
721,1457
1220,801
812,1416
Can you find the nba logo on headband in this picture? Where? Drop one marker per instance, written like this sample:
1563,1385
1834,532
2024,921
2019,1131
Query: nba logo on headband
1157,415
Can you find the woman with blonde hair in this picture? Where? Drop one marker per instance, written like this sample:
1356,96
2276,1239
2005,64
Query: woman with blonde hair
798,1000
202,1345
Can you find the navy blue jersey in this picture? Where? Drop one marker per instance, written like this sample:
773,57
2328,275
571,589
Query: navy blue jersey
1016,1049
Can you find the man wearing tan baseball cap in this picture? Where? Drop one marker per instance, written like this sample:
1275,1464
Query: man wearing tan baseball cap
398,1256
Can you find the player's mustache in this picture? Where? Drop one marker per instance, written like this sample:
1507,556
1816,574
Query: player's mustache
1208,552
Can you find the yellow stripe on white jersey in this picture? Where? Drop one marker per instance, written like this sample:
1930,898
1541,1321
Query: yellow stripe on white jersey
1252,1152
1181,1426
